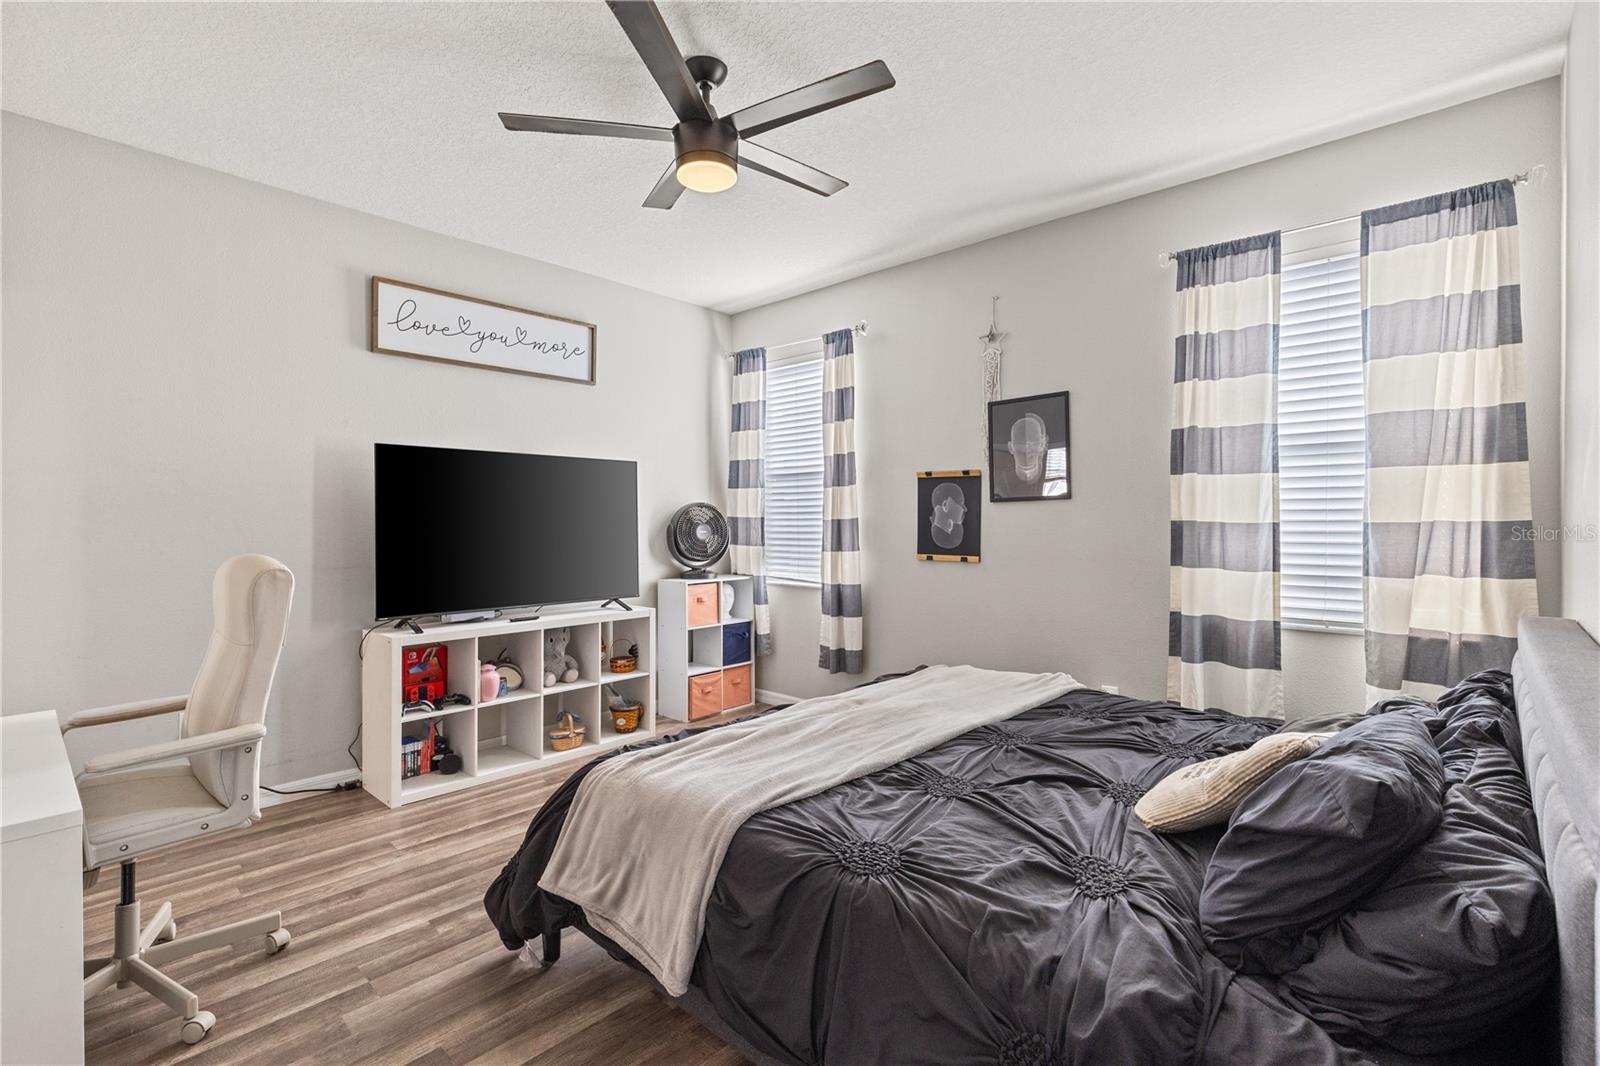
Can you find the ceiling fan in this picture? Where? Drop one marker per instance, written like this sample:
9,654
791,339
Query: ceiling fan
709,148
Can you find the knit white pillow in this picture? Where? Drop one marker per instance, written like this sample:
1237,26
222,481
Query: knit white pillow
1205,793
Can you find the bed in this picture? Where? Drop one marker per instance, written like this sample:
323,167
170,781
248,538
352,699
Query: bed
994,899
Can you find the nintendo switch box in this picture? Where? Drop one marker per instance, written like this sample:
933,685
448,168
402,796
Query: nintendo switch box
422,672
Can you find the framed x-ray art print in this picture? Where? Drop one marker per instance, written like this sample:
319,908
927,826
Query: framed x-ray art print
1030,453
949,507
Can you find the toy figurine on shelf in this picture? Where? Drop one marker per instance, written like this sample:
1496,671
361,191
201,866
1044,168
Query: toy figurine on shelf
558,665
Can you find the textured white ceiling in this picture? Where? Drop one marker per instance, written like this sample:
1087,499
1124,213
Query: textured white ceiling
1005,114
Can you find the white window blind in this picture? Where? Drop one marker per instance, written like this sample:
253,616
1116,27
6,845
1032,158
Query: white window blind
1321,441
794,471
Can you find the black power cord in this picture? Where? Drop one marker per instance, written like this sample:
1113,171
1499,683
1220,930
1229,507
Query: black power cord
342,786
361,645
350,749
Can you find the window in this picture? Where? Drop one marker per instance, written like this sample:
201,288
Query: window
1321,437
794,472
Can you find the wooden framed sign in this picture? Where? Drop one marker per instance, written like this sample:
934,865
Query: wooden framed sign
447,327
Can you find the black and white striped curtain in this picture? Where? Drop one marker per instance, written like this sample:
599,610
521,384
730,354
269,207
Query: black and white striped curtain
1449,546
841,651
747,484
1224,635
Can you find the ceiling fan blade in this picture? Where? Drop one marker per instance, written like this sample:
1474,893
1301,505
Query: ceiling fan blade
584,127
780,166
796,104
667,190
641,20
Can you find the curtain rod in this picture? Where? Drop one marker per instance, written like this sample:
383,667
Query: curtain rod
1168,258
859,329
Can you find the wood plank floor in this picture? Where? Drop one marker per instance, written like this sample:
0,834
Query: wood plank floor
393,958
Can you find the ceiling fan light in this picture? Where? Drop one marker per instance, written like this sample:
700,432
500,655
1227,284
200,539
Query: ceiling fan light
704,171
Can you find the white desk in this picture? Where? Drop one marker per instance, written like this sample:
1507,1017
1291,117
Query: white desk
41,895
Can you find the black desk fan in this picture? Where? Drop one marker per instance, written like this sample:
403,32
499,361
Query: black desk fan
697,537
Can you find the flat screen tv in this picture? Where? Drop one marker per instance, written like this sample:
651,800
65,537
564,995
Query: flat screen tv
460,531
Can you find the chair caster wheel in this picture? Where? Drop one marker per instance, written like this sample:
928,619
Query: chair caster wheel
169,933
196,1028
277,940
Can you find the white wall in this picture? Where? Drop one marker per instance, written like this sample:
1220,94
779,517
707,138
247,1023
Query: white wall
1580,442
186,377
1082,585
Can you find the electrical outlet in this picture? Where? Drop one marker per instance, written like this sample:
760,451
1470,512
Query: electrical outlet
1113,689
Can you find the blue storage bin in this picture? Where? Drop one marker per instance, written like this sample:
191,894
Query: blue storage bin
736,643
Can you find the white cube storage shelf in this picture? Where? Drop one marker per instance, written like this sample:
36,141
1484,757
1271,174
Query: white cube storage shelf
509,734
700,671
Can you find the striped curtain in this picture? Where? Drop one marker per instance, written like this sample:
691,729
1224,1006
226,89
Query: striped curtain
747,481
841,524
1223,629
1449,547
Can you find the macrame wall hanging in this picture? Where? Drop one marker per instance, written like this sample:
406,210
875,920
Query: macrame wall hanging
991,371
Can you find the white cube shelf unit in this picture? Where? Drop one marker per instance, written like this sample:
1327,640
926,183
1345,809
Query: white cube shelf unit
509,734
706,663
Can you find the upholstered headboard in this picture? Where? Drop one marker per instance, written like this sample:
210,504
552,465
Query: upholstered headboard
1557,676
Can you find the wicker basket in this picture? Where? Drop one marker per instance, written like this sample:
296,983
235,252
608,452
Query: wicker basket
567,734
624,664
626,719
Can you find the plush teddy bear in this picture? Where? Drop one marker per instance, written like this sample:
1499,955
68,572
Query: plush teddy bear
558,665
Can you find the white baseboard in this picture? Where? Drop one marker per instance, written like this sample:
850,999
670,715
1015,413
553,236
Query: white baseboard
766,695
337,777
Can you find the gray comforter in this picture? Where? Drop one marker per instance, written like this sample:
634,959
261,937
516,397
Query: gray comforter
992,900
665,815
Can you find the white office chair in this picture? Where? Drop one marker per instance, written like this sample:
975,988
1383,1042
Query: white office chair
204,782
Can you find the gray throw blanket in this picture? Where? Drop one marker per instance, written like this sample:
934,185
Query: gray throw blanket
648,830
